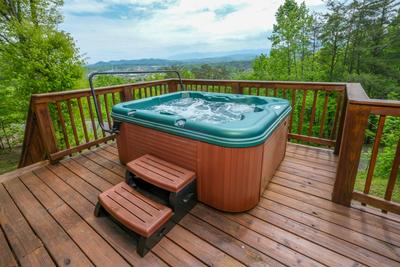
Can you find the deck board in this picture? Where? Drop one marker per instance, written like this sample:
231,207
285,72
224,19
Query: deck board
46,218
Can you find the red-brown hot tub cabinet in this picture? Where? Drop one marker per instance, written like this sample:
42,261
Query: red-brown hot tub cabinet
228,179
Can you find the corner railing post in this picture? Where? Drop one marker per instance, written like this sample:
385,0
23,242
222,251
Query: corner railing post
352,140
341,123
46,129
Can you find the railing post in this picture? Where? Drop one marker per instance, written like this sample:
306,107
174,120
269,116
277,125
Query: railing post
355,123
341,123
172,86
46,129
236,89
126,94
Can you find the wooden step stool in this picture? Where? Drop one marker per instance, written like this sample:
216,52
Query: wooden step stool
179,184
135,208
147,218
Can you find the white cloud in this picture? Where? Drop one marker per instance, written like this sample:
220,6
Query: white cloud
186,26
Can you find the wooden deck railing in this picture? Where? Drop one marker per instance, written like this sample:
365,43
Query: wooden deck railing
358,110
317,107
63,123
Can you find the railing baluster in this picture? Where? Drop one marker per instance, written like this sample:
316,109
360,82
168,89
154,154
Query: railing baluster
113,98
275,92
314,107
339,102
72,119
92,117
301,119
284,93
83,120
325,108
293,110
374,154
393,173
63,127
107,111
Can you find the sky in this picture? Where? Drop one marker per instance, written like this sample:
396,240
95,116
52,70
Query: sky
133,29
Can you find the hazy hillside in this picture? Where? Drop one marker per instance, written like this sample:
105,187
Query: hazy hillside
189,59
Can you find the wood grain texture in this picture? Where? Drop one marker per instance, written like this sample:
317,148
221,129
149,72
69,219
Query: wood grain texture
135,211
163,174
292,225
50,232
273,153
27,247
229,178
354,127
135,141
377,202
6,255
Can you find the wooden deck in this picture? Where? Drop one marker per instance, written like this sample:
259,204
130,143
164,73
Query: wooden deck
46,219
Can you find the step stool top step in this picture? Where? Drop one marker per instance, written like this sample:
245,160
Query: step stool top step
135,211
161,173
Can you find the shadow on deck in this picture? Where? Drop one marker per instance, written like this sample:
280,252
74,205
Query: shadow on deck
47,219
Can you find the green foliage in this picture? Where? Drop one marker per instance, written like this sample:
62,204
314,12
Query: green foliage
290,38
35,57
108,80
45,61
354,41
9,159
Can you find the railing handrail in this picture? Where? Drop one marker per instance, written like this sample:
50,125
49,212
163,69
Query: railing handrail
266,81
52,97
273,84
357,95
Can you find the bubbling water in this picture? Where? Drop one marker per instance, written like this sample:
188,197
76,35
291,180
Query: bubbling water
198,109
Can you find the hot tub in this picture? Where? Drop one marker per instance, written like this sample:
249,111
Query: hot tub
234,143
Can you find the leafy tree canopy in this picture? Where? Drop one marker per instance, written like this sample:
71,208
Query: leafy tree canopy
35,56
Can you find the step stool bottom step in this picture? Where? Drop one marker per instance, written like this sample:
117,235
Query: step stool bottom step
148,219
144,244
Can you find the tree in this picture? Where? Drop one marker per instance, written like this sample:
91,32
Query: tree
291,36
35,56
332,37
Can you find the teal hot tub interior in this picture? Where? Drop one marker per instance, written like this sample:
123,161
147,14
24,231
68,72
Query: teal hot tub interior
227,120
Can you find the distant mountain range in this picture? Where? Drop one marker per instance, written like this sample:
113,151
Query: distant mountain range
238,54
179,59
